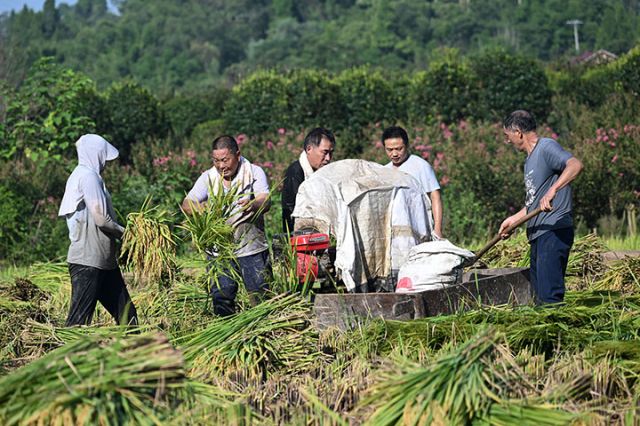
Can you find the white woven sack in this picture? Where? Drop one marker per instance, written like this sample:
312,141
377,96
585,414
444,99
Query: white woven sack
432,265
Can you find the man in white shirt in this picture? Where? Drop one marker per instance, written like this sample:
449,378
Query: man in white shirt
231,171
396,146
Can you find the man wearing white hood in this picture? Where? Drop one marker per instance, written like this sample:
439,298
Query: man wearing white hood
86,205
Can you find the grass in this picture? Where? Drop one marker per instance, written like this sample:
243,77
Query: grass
622,243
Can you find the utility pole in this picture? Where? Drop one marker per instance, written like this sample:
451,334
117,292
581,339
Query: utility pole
575,23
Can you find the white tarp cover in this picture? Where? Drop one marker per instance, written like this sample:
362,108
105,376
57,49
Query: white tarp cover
432,265
375,213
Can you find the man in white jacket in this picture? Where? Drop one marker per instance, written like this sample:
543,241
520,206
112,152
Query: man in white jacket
86,205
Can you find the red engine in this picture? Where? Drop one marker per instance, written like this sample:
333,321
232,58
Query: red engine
310,249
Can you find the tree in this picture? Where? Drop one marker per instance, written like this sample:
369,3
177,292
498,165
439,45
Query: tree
50,18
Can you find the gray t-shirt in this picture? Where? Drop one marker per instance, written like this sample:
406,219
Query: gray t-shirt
542,169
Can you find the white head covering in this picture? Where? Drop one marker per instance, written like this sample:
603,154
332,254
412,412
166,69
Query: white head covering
93,153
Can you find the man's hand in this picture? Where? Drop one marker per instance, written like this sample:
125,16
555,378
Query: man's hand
192,206
571,170
506,224
545,201
510,221
260,202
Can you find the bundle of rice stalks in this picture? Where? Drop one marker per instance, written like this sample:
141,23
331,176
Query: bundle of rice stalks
45,337
586,258
454,388
148,247
89,381
49,276
583,320
524,413
20,302
622,276
212,233
274,335
510,253
467,384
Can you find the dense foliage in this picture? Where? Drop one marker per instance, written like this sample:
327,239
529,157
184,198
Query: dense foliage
174,46
451,104
452,112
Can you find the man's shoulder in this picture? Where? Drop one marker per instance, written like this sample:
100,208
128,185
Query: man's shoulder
295,169
417,162
85,175
551,147
295,165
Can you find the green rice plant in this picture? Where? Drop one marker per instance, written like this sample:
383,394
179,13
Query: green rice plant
37,334
627,242
212,233
584,319
525,414
585,258
148,246
285,276
130,380
274,335
49,276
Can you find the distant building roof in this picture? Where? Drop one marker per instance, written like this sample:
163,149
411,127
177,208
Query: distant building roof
598,57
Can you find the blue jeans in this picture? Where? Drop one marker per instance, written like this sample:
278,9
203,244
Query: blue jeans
253,269
549,258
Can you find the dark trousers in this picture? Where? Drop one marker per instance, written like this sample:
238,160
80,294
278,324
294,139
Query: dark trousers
549,258
254,269
90,285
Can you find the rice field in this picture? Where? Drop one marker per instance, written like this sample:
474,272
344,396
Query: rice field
268,364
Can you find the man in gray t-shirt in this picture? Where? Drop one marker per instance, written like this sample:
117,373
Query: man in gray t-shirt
548,171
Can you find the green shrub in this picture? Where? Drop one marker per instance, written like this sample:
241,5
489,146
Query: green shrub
258,104
444,92
628,74
505,83
185,112
204,134
609,181
313,100
595,86
47,113
465,217
367,97
12,224
134,115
